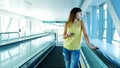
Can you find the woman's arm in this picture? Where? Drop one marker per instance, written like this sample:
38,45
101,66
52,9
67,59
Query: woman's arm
86,36
65,32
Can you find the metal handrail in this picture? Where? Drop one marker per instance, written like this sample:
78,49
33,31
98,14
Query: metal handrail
27,38
96,59
8,32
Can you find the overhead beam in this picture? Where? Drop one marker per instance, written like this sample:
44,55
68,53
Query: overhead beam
81,3
114,15
85,4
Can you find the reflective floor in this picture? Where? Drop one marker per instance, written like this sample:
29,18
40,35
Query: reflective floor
14,55
5,42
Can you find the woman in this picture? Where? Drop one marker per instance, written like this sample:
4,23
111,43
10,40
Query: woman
73,31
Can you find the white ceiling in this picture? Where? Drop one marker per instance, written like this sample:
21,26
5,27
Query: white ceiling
53,9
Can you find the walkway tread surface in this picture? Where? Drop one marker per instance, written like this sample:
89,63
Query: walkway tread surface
54,59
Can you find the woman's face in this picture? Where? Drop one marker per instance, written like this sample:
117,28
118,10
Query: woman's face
78,15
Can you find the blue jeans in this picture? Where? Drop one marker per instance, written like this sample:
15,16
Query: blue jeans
71,58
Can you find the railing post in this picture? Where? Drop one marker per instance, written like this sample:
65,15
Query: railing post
94,22
88,23
0,29
101,22
109,28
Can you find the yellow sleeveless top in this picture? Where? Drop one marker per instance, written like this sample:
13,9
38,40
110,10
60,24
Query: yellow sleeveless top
74,42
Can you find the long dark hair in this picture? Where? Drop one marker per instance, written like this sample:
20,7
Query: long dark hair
72,15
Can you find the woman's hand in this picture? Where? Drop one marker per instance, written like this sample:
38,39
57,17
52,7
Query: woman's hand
94,47
70,34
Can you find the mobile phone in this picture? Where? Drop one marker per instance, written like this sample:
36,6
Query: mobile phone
72,33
